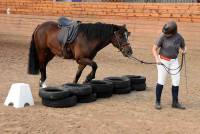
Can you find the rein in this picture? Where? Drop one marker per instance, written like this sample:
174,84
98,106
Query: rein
179,68
183,61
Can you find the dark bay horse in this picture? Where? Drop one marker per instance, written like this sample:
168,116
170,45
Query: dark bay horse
91,38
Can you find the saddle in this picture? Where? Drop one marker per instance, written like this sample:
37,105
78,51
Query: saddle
67,34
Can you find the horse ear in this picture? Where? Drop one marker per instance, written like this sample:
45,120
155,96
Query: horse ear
129,33
124,25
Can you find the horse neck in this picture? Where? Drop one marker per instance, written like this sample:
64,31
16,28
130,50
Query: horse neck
101,45
98,31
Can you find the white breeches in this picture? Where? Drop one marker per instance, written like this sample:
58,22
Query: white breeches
162,73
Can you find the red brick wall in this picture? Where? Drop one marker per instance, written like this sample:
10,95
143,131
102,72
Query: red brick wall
180,12
144,21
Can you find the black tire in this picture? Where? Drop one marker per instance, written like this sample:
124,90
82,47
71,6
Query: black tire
78,89
140,80
101,86
136,79
61,103
88,98
132,77
119,82
139,87
132,88
53,93
104,95
122,90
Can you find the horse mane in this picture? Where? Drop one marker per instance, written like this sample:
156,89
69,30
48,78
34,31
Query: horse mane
98,30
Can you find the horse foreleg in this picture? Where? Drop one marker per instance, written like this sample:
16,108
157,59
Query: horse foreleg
79,72
91,75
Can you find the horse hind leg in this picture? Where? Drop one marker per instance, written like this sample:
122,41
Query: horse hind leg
44,58
42,83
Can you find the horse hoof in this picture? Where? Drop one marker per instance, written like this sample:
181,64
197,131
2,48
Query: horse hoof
42,85
86,81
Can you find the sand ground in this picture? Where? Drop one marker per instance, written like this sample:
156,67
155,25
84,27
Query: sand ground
133,113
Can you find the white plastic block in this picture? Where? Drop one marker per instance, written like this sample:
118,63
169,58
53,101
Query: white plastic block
19,96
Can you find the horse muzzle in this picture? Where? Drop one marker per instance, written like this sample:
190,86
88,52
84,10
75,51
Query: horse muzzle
127,51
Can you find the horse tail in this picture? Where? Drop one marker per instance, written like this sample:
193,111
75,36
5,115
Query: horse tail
33,61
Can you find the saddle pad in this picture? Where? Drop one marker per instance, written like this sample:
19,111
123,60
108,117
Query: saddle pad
63,21
68,34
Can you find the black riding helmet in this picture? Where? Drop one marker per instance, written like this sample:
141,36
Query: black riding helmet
170,28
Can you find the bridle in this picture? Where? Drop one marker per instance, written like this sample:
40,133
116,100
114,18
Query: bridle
121,46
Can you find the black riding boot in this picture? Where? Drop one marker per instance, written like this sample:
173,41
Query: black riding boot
159,89
175,103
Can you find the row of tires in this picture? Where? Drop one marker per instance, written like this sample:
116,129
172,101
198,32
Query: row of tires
70,94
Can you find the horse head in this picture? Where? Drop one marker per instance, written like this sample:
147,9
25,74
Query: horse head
120,40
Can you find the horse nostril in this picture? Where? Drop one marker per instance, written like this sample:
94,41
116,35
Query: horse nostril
130,52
